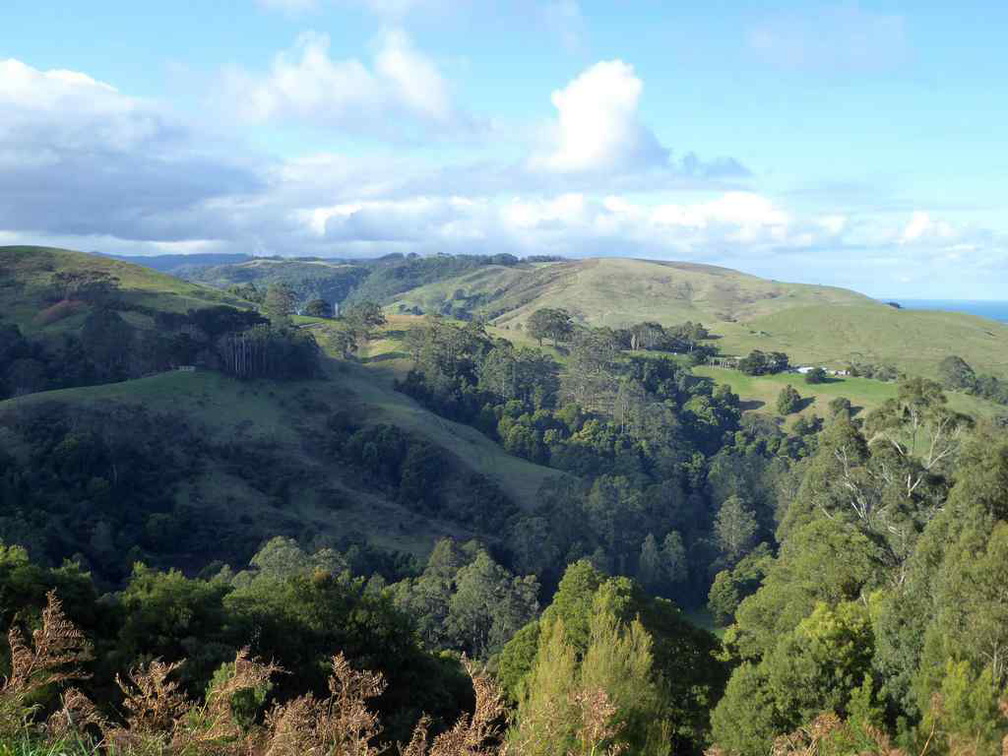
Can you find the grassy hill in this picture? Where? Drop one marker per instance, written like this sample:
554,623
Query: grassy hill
914,340
242,460
616,292
813,324
759,393
263,468
26,287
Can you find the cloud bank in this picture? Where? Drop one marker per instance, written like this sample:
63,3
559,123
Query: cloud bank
85,165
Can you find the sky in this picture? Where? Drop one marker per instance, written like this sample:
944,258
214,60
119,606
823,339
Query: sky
857,144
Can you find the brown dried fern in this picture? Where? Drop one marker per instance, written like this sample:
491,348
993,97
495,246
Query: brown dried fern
480,734
418,743
341,724
76,715
597,726
161,720
55,655
153,703
807,741
218,720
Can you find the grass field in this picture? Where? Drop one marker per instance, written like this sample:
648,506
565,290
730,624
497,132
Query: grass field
759,393
817,324
913,340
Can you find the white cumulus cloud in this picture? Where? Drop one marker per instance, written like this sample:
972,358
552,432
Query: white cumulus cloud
308,85
922,228
87,166
598,127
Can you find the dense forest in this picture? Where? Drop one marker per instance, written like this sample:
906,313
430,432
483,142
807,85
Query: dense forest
692,578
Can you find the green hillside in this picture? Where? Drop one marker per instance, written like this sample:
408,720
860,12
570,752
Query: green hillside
264,467
615,292
225,459
27,276
810,323
914,340
759,393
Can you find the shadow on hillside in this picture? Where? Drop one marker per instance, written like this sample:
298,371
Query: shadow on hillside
751,404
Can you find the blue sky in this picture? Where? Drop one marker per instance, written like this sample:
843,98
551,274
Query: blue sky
854,143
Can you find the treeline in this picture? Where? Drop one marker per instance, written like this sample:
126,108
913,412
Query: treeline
393,274
267,352
330,283
558,325
109,348
955,373
343,283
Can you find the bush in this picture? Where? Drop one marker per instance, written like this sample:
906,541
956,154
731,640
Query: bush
788,400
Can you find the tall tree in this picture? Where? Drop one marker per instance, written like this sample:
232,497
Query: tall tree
549,322
363,317
735,527
955,373
280,302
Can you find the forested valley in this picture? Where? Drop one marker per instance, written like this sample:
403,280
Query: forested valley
692,576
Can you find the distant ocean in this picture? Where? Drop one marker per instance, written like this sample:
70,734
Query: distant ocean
985,308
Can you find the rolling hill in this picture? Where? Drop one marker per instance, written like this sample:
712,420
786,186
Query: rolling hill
813,324
27,276
222,464
300,489
616,292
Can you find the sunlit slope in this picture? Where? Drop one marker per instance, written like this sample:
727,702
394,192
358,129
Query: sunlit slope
914,340
616,291
27,275
759,393
811,323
